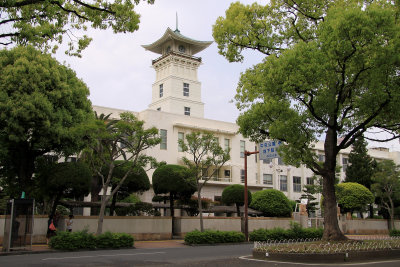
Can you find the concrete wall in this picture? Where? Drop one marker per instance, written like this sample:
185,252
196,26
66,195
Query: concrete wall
142,228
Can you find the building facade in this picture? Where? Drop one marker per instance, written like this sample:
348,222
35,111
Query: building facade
177,109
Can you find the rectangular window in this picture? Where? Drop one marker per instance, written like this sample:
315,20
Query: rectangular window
310,181
242,175
181,136
280,161
296,184
227,145
256,178
185,89
255,149
321,158
161,90
227,173
242,148
283,182
187,111
267,178
345,162
163,135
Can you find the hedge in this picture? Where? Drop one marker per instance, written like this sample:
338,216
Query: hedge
295,232
213,237
84,240
394,232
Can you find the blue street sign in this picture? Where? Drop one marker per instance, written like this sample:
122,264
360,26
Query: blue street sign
268,149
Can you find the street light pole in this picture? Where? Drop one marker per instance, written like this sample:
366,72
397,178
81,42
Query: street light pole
246,202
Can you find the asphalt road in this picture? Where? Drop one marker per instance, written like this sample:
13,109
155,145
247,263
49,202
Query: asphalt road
227,255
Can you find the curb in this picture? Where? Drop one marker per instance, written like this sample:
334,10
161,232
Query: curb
351,256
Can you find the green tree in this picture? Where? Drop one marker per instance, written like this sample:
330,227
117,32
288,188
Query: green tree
234,194
309,192
330,72
136,182
62,180
272,203
361,166
386,186
353,197
44,23
176,181
206,158
112,140
43,104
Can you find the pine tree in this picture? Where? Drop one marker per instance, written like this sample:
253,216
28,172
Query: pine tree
361,165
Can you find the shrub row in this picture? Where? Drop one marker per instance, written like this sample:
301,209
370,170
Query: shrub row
213,237
394,232
295,232
84,240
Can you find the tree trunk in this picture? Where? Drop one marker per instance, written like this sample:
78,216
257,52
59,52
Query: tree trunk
391,214
200,207
238,210
113,202
331,226
172,211
371,210
104,200
94,192
25,170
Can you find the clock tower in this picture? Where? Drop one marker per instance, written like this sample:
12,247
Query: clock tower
176,88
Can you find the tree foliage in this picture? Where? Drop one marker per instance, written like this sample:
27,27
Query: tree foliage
206,157
62,180
111,140
353,196
42,105
361,166
44,23
234,194
386,186
309,192
330,72
272,203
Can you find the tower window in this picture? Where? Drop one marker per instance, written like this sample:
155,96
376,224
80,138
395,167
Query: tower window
163,135
185,89
161,90
187,111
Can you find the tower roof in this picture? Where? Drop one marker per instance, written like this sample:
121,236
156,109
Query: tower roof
169,34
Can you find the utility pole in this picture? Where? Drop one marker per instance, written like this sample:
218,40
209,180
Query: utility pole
246,202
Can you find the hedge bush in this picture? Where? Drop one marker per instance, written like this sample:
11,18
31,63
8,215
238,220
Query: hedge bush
295,232
213,237
84,240
394,232
272,203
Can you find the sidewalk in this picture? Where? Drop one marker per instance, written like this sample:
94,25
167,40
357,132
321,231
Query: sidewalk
42,248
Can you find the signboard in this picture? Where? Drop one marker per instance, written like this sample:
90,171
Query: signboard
268,149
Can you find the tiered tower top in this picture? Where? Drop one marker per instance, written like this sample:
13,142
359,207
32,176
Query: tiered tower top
176,88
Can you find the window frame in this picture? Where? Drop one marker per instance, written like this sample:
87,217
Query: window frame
164,139
297,184
283,183
161,90
266,181
186,90
186,111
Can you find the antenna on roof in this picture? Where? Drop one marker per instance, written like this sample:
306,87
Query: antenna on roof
177,30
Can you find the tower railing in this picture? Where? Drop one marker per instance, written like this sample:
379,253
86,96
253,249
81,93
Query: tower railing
176,54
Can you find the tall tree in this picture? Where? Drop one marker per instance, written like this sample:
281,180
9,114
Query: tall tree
112,140
330,72
176,182
206,157
386,186
43,104
44,23
361,166
234,194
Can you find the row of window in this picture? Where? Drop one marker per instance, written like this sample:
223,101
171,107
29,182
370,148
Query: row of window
185,89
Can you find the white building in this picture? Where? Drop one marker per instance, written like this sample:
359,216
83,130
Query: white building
176,109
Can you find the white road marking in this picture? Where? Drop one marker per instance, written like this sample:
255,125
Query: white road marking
319,264
94,256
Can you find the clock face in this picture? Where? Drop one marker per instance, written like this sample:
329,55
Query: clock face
181,49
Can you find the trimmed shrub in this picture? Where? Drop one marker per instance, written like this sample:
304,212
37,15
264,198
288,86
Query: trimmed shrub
394,232
353,196
295,232
213,237
272,203
84,240
73,241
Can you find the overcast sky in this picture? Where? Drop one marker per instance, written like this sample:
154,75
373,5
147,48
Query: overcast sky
118,69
